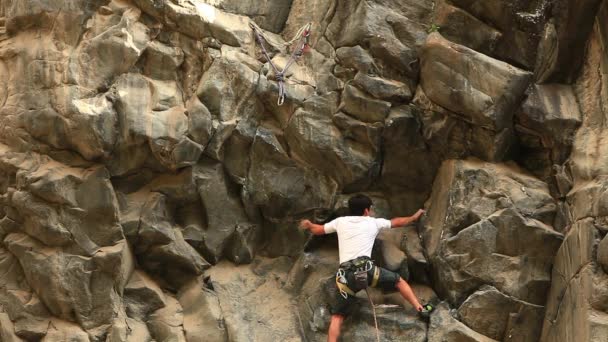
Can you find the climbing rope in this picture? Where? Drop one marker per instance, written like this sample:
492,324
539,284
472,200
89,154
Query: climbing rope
374,313
301,37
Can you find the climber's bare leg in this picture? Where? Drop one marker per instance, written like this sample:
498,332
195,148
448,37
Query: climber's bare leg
334,328
407,293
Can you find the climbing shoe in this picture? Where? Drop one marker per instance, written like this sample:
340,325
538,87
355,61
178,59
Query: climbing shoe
426,310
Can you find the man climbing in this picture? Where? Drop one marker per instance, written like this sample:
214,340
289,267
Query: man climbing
356,236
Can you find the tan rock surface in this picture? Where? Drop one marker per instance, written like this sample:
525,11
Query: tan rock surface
151,186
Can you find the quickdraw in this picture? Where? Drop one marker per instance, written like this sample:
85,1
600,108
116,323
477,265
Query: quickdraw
303,34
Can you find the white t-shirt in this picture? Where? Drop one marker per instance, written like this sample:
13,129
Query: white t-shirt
356,234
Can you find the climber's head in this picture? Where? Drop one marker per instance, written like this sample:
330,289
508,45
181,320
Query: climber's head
360,205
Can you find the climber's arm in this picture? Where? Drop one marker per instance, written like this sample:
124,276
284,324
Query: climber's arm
404,221
316,229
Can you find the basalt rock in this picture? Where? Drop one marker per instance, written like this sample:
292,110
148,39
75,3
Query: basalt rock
151,186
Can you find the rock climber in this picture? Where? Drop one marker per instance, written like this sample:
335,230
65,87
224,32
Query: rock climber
356,236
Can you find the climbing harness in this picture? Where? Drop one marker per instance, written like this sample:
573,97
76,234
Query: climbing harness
302,37
360,275
360,268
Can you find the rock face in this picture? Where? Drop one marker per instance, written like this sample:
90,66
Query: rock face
151,186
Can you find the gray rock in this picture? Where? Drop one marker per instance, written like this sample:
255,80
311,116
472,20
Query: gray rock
480,240
546,126
104,53
227,89
393,38
200,20
222,209
148,112
403,144
162,60
60,330
574,254
203,319
569,26
94,121
384,89
200,126
416,260
449,79
363,107
602,254
356,57
313,138
269,14
520,23
281,186
7,329
444,327
462,28
58,278
244,243
393,325
501,317
142,296
243,293
166,324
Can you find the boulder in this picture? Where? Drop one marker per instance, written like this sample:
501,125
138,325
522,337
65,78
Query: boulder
244,243
222,209
243,293
462,28
453,77
568,28
200,122
602,254
227,90
384,89
362,107
444,327
104,53
393,325
142,296
166,324
577,321
280,185
546,126
203,318
66,283
520,23
588,151
317,13
148,112
161,243
313,138
404,147
91,124
162,61
357,58
501,317
491,239
571,282
392,30
200,20
7,329
60,330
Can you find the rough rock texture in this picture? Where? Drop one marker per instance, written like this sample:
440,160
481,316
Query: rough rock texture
151,187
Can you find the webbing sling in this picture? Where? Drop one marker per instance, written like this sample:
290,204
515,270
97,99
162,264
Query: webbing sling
304,34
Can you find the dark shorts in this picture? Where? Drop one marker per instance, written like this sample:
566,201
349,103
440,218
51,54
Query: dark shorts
343,305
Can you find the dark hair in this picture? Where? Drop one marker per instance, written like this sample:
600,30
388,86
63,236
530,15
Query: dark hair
358,203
